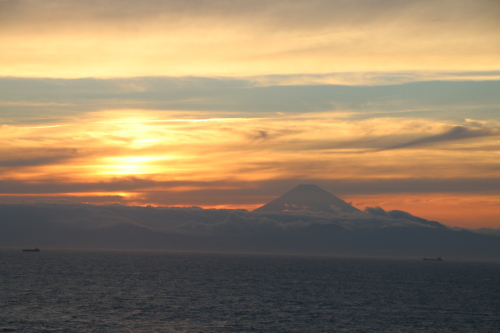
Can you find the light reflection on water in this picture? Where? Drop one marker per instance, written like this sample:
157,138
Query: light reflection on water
112,291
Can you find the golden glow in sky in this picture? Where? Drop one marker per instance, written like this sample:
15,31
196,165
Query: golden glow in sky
234,38
231,103
188,154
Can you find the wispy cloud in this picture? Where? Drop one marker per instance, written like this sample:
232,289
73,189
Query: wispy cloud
135,99
242,38
148,145
42,100
453,134
368,78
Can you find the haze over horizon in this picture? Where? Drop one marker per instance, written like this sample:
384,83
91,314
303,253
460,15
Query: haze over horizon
305,220
229,104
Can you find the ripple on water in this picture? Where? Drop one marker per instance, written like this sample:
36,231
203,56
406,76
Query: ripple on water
111,291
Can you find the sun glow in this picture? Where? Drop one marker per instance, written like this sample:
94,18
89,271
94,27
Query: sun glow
286,146
135,165
213,103
171,161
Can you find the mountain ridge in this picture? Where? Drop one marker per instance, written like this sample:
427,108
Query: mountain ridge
307,197
319,223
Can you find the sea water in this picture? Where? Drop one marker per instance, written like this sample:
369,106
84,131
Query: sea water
139,291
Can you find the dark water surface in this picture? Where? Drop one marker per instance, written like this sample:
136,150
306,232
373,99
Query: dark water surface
112,291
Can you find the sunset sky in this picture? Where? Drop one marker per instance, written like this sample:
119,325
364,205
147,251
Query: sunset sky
229,104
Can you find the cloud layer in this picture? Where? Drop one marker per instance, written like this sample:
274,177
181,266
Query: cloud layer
140,158
370,233
235,38
198,221
230,103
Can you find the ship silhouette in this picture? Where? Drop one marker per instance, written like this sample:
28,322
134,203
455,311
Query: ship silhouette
36,249
434,259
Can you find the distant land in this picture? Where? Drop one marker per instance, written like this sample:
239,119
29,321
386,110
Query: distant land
305,220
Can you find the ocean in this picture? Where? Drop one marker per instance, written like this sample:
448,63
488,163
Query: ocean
154,291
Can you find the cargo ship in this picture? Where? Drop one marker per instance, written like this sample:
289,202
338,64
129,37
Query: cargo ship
434,259
32,250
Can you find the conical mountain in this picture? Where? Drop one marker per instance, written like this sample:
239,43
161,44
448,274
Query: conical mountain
307,198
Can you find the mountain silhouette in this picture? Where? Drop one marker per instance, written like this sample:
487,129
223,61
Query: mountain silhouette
307,198
374,232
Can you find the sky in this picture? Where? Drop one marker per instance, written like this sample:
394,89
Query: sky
229,104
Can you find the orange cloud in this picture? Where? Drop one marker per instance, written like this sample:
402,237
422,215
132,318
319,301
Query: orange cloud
201,161
301,146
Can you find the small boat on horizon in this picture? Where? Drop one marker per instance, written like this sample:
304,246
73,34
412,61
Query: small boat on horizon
434,259
32,250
